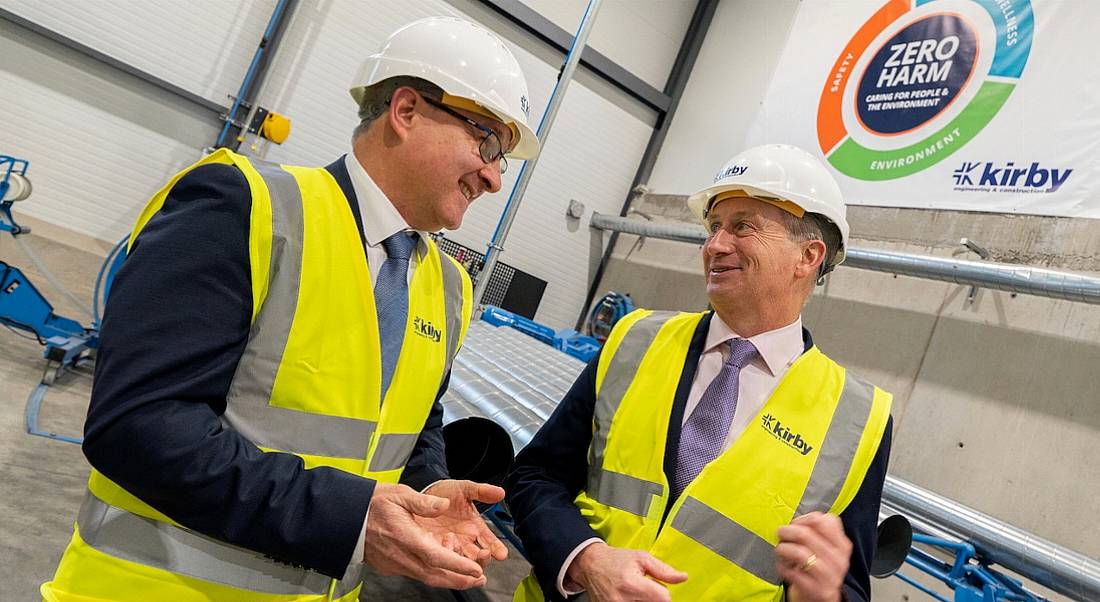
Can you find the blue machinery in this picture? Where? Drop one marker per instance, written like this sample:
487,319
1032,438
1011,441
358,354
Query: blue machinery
968,574
68,343
582,346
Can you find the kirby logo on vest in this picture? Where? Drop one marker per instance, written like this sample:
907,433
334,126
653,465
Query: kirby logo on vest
775,427
426,329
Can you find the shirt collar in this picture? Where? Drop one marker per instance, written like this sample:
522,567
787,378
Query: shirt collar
380,218
778,348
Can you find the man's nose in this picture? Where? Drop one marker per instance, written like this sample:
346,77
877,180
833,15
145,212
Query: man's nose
718,242
490,175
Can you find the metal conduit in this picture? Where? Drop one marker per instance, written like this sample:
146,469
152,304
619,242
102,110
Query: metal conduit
546,384
520,392
565,76
535,363
456,408
529,369
494,337
919,525
1061,569
538,365
490,402
998,276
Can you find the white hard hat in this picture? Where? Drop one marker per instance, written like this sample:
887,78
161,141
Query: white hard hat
785,176
467,62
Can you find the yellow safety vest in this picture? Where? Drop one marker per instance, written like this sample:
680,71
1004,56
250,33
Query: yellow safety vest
807,449
308,383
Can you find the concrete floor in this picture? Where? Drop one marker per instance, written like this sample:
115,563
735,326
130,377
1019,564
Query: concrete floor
44,479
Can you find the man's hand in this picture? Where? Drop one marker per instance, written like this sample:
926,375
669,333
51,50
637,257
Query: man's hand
461,527
812,556
396,544
617,574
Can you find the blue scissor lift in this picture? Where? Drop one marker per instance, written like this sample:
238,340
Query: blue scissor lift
23,308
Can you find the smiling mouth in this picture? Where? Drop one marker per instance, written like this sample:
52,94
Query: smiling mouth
721,270
467,192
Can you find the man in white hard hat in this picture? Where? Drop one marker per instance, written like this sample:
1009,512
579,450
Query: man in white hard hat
265,417
717,455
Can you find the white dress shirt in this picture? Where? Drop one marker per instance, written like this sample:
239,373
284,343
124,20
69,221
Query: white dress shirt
778,349
380,221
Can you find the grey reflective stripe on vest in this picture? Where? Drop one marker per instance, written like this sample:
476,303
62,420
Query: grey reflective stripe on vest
617,492
726,538
838,449
248,408
355,575
392,451
622,491
746,549
151,543
452,299
620,373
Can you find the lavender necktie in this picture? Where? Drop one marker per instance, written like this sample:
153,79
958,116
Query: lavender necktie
391,300
705,431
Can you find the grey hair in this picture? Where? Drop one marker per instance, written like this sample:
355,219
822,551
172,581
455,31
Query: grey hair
376,99
814,226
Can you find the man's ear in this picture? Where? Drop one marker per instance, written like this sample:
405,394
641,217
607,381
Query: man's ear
813,253
402,111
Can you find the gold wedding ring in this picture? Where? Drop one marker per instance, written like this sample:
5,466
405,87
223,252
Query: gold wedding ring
808,566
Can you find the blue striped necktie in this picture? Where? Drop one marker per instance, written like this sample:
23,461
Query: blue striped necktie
391,300
705,431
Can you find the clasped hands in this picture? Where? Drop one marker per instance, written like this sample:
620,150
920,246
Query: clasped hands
436,537
812,559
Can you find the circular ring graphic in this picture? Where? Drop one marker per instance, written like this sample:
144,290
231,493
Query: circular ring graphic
912,78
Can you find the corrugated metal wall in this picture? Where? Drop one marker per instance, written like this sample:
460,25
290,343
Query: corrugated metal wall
203,46
98,143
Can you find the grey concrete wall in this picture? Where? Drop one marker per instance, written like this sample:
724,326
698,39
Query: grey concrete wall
995,400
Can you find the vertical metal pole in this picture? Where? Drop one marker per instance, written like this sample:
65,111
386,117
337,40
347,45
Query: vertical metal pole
257,70
674,87
512,206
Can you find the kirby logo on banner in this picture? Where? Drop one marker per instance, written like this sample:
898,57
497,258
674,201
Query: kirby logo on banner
919,80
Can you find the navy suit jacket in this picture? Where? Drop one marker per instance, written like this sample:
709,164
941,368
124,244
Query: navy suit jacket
550,472
174,330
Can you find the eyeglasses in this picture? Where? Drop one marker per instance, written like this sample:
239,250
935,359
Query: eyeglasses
490,148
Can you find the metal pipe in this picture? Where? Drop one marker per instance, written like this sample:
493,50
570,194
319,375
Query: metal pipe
919,525
1061,569
998,276
664,231
512,206
522,394
253,77
456,408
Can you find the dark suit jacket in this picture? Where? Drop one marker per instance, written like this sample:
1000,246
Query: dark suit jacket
175,327
552,469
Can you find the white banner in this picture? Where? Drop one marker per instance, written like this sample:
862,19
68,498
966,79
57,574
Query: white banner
979,105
